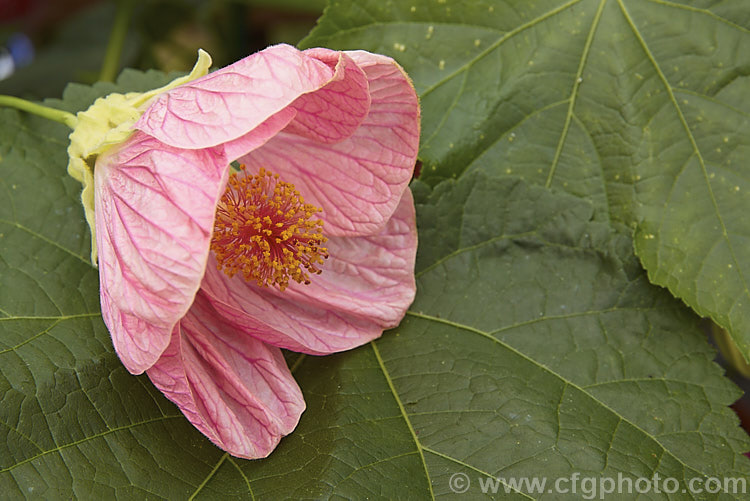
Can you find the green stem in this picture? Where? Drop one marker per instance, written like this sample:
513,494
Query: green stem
116,41
56,115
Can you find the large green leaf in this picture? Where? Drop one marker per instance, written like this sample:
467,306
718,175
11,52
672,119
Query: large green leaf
638,105
536,345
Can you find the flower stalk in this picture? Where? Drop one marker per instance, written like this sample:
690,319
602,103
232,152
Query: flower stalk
53,114
116,41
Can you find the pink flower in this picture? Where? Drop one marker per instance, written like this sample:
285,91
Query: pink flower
203,280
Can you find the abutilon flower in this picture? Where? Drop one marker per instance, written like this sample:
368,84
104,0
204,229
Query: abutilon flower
207,270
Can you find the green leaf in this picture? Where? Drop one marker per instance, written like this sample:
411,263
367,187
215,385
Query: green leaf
548,322
502,367
639,106
536,346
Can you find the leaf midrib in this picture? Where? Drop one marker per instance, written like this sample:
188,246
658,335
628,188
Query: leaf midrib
696,151
510,34
404,414
574,92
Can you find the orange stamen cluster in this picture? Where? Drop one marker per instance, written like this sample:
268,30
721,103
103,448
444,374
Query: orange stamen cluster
264,230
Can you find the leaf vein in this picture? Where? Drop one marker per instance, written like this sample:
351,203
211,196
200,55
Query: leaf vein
242,473
693,143
46,240
705,12
30,339
498,43
473,468
550,371
209,476
60,317
400,404
87,439
574,92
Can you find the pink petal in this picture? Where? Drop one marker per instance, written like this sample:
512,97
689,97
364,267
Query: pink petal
259,135
155,209
358,181
334,112
366,286
236,390
234,100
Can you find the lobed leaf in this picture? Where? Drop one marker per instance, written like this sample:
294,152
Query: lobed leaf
536,345
502,367
638,106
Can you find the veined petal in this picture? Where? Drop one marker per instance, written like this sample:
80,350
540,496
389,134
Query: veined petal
366,286
235,389
155,208
370,276
335,111
259,135
234,100
357,181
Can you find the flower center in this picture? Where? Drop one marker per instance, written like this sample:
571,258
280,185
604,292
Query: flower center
264,230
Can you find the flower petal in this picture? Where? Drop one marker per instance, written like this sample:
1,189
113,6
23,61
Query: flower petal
365,287
235,389
234,100
335,111
155,208
371,276
358,181
259,135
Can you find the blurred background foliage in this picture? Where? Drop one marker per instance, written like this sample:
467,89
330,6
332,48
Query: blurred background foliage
69,37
